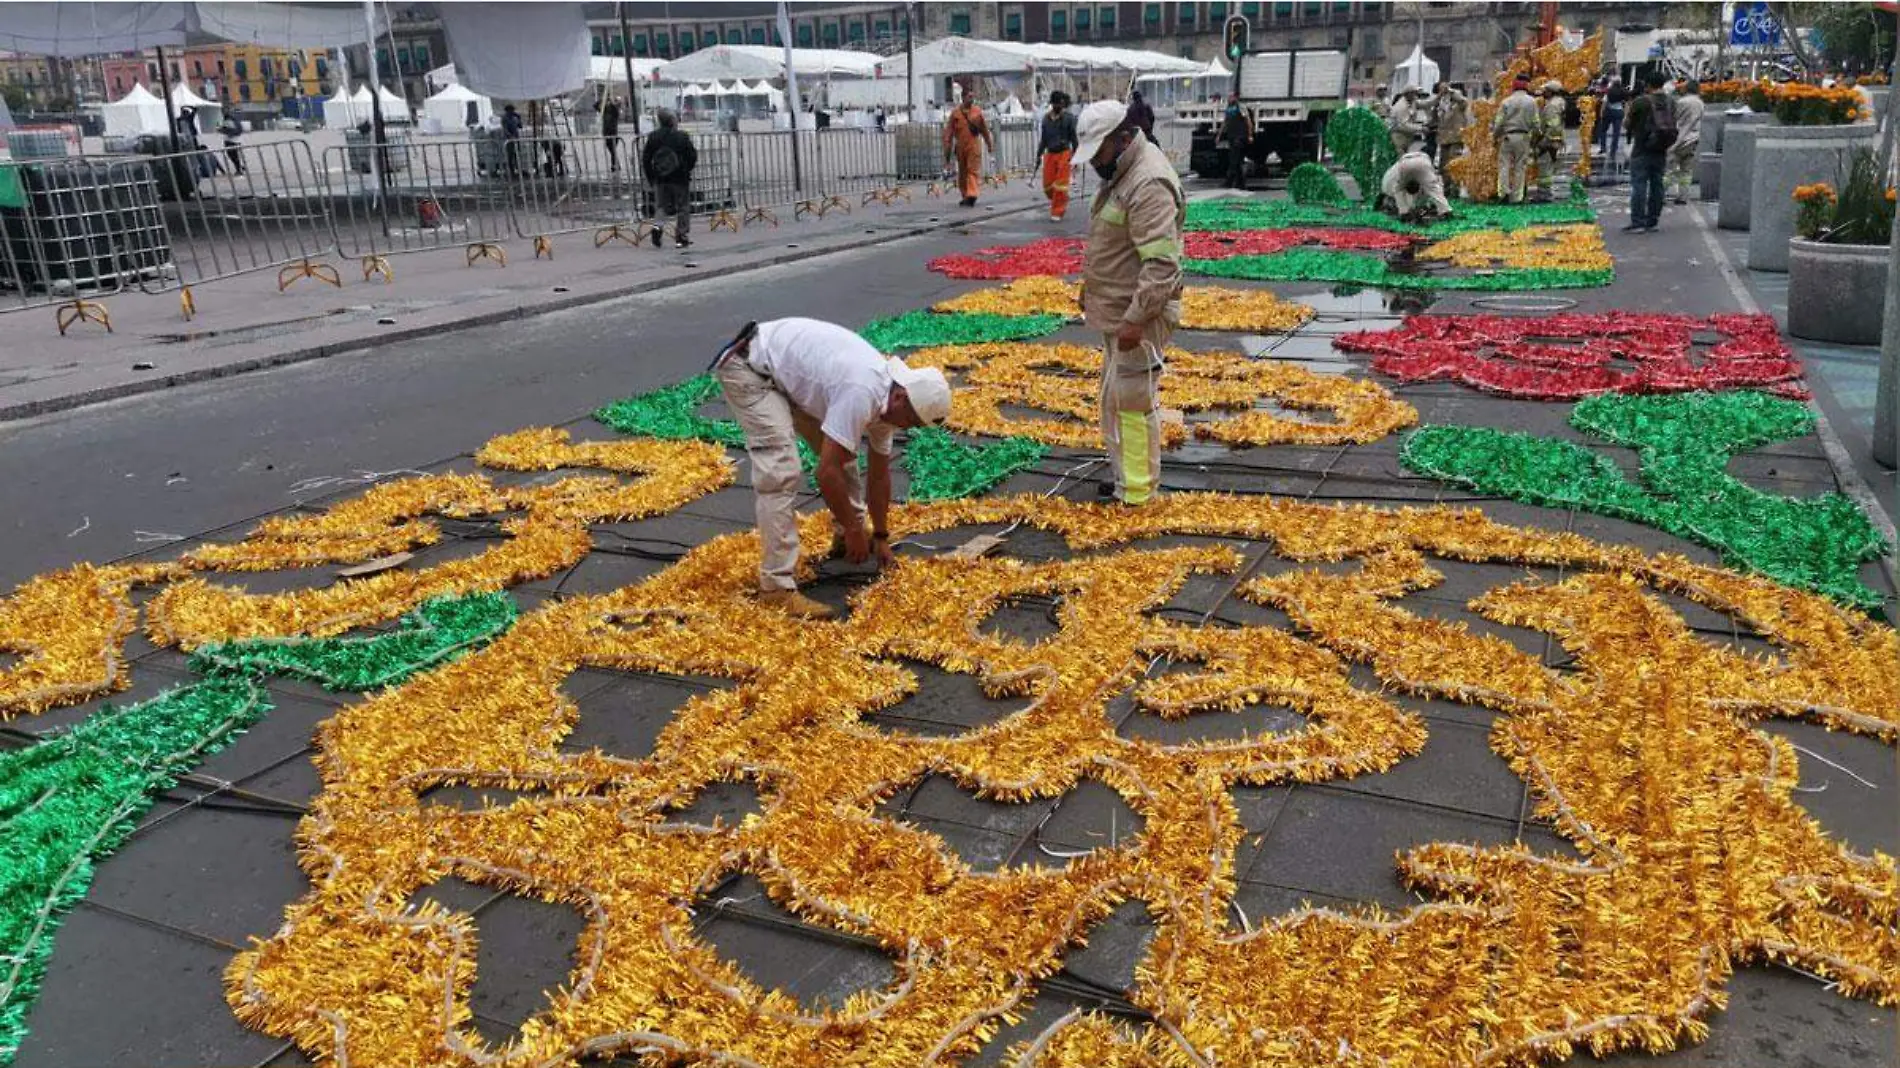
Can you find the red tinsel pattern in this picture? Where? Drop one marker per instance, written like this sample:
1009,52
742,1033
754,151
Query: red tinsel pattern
1063,255
1568,357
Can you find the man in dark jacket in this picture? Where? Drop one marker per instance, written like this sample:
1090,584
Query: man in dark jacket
1647,158
667,161
1236,130
610,131
1141,116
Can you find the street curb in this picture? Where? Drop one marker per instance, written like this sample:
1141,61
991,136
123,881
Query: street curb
101,394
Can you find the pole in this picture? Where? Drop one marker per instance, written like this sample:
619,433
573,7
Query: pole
791,93
910,59
165,87
375,110
389,29
1887,385
626,53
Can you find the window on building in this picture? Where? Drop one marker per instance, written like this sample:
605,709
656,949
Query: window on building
639,44
1013,26
1312,9
758,35
244,90
1216,12
175,77
960,23
382,61
1342,7
686,41
1184,14
220,68
881,29
855,31
197,69
1250,10
735,35
830,35
270,90
616,45
598,49
663,44
1081,21
1058,24
237,65
323,67
804,35
1151,14
1107,21
296,68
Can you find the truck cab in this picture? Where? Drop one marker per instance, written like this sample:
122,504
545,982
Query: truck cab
1289,95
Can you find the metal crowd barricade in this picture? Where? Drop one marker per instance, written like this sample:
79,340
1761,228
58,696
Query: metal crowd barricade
239,210
575,183
423,195
74,229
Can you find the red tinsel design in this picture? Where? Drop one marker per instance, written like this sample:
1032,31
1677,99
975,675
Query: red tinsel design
1568,357
1063,255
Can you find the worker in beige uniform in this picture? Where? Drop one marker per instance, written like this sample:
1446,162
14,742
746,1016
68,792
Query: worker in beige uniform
1549,136
1131,287
1511,132
1451,111
802,378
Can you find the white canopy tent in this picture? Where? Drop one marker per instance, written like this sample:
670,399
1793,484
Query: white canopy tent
137,112
341,112
612,70
210,113
962,55
1163,89
1415,70
726,62
450,107
395,109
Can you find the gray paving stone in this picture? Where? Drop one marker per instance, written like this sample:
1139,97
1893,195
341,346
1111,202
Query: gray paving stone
944,703
624,719
1039,1014
1114,947
147,682
525,948
1854,801
719,803
815,966
1457,770
120,992
288,728
1776,1016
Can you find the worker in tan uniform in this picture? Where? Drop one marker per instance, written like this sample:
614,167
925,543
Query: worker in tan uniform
1549,136
1511,132
1131,287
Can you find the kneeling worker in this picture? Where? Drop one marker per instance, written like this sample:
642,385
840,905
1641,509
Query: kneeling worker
1415,189
803,378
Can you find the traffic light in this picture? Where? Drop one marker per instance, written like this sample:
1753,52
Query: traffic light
1235,34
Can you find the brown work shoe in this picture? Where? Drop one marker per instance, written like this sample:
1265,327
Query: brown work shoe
796,604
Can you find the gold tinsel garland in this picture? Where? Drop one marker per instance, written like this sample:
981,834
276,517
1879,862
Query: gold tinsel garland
1476,172
1064,380
1646,757
1576,248
69,628
1202,307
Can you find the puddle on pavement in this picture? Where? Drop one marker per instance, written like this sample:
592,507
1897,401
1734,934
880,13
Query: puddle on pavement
1375,306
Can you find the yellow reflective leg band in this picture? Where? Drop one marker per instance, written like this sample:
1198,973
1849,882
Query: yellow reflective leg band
1138,482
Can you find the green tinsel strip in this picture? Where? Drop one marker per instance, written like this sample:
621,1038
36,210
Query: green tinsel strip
437,630
1466,216
1311,183
72,799
1328,265
922,329
672,413
1362,143
941,467
1684,442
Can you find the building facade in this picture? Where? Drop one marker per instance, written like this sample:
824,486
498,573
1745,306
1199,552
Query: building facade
241,77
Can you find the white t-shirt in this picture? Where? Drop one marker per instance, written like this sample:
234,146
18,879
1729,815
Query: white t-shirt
830,374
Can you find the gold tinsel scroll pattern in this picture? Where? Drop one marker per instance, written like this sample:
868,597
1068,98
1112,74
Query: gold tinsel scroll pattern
1202,307
1063,381
1694,856
69,627
1476,172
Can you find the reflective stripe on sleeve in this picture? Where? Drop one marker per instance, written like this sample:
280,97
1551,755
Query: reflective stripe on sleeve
1114,214
1159,248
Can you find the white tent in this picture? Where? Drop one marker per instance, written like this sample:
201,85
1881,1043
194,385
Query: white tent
612,70
442,77
210,113
340,112
136,112
1416,70
395,110
962,55
759,61
450,108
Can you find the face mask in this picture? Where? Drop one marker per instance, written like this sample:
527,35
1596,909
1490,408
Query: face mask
1107,170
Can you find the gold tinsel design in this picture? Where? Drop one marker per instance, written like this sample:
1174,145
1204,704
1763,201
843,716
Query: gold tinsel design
1576,248
69,628
1646,756
1064,380
1202,307
1476,172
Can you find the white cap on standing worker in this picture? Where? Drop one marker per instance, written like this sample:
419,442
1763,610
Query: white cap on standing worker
1094,124
928,390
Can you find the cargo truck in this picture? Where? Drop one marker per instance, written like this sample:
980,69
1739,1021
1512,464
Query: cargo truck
1289,95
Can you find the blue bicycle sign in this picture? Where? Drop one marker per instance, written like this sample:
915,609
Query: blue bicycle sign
1754,25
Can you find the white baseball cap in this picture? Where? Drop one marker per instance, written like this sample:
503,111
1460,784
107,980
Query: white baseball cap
1094,124
928,390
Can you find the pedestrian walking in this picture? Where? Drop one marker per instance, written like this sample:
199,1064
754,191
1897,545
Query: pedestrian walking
1453,110
964,138
1511,132
1651,123
232,150
1142,115
667,160
511,138
1548,137
1615,112
1131,288
1236,131
1057,152
610,131
1408,121
1688,108
793,379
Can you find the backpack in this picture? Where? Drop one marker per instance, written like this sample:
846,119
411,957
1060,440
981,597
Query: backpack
1660,135
665,163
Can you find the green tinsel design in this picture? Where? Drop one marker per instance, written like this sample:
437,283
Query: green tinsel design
922,329
1466,216
1354,268
1362,143
1684,442
672,413
941,467
1312,183
436,631
70,800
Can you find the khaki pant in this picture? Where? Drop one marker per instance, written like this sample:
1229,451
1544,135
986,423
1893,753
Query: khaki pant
772,427
1681,170
1131,412
1548,153
1402,143
1514,154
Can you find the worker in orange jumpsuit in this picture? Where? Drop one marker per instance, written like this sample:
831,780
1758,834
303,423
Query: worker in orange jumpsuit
966,134
1057,151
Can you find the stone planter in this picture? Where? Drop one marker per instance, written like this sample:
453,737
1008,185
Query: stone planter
1711,132
1836,293
1708,175
1881,96
1738,165
1785,157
